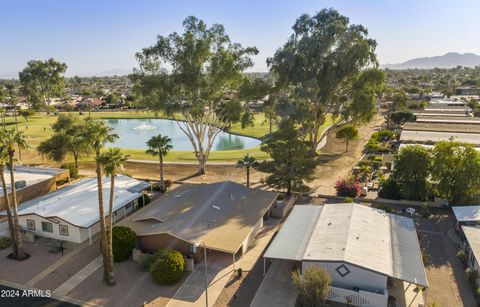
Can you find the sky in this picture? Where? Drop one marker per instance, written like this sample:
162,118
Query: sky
102,36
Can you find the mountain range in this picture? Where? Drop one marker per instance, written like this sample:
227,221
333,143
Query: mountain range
448,60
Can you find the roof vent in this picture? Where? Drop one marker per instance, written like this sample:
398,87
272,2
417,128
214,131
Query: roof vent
215,207
329,223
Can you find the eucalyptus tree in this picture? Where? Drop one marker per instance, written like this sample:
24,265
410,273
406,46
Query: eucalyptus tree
323,65
9,139
247,163
193,72
41,80
112,162
98,134
159,145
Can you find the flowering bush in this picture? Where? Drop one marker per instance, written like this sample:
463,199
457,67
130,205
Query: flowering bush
347,188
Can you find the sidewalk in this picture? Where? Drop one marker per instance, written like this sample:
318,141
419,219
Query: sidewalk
76,279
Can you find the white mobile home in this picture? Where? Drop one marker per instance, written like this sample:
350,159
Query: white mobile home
71,213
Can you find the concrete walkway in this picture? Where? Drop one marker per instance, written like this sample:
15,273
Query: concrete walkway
81,275
220,268
60,262
277,288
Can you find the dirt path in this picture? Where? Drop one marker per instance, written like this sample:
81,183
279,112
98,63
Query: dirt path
336,162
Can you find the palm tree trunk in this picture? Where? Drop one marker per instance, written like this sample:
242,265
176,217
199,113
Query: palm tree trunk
103,234
248,176
16,225
8,209
16,124
110,264
162,182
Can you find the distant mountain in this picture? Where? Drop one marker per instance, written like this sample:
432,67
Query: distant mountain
449,60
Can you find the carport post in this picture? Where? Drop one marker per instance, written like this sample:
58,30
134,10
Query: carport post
263,266
233,257
89,236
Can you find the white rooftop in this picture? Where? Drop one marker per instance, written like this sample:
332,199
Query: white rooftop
77,203
472,233
426,136
31,175
356,234
467,213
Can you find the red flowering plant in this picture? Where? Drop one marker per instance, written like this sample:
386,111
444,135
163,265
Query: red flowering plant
348,188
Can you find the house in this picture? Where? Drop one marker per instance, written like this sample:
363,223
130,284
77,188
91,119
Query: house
31,182
470,243
365,251
71,213
467,215
224,217
417,136
466,91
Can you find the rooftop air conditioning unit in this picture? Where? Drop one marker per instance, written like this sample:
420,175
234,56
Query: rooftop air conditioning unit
20,184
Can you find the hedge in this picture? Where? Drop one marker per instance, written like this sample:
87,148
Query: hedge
123,242
168,267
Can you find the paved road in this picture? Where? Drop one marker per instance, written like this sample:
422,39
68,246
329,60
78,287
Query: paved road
21,298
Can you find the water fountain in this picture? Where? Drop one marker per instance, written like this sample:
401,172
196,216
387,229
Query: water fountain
144,127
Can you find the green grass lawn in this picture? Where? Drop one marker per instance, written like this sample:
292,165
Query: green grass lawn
38,129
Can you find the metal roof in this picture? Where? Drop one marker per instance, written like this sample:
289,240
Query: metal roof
467,213
77,203
292,239
425,136
472,234
221,214
31,175
363,236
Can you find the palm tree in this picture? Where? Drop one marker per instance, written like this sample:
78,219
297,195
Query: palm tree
10,139
99,134
247,162
112,162
3,163
159,146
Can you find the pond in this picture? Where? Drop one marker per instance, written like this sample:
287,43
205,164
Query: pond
134,133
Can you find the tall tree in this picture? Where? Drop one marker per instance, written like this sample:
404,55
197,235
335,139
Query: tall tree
247,163
67,139
159,146
41,81
112,162
11,139
412,170
347,133
293,160
204,68
456,172
400,117
99,134
323,65
312,287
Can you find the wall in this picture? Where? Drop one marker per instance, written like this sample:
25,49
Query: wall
153,243
251,237
73,231
357,278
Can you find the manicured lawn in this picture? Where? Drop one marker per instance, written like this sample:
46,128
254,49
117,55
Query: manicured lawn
38,128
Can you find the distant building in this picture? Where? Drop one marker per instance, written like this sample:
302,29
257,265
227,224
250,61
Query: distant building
370,255
467,91
71,213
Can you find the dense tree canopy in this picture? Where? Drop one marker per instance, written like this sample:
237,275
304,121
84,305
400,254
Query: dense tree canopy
324,65
193,72
42,80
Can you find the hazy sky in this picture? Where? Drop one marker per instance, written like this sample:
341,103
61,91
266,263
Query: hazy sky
96,36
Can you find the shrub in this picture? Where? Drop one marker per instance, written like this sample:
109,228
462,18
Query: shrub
472,276
168,268
383,135
159,188
462,256
348,200
72,169
146,262
5,242
384,208
347,188
168,183
363,163
372,145
123,241
389,189
378,159
425,210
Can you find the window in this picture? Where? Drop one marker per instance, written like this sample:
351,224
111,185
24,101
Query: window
63,229
30,224
128,206
342,270
47,227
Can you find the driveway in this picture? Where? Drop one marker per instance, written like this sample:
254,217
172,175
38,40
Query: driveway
448,284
